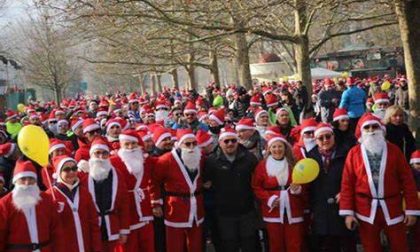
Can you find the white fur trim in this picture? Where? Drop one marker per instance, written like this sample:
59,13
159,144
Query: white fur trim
346,213
213,117
133,100
206,143
12,149
24,174
128,138
91,127
255,103
76,125
271,200
260,113
101,113
185,137
370,122
414,160
163,136
227,134
146,137
341,117
274,139
306,129
244,127
112,124
186,111
381,101
281,109
98,146
412,212
55,147
322,129
272,104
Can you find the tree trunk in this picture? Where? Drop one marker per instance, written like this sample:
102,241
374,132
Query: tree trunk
409,23
214,67
154,84
174,73
242,60
192,83
57,95
159,82
141,83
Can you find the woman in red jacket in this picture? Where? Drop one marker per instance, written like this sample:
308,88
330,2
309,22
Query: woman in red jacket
281,202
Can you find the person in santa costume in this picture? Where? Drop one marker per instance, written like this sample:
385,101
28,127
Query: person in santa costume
307,140
250,138
132,164
109,192
28,217
415,230
91,130
78,217
376,177
113,130
179,172
341,125
282,202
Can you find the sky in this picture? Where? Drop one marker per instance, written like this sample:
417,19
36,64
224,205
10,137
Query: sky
15,10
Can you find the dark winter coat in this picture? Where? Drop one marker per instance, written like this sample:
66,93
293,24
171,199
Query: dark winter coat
402,137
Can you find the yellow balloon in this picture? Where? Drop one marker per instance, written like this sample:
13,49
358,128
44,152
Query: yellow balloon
21,108
34,144
344,74
305,171
386,86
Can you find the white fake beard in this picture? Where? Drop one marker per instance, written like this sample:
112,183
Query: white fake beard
161,115
278,169
53,128
25,196
111,139
99,168
191,158
380,113
373,141
309,143
133,160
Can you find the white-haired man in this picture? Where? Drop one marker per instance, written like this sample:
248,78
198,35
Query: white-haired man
376,177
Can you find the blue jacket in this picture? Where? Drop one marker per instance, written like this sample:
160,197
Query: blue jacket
353,100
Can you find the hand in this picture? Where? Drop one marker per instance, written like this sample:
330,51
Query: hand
351,222
337,198
295,189
157,211
410,220
123,238
276,203
207,185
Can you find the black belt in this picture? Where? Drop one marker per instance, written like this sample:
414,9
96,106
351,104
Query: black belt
29,246
278,188
182,195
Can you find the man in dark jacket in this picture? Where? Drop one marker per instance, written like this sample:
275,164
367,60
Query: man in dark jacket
229,170
328,228
401,95
328,100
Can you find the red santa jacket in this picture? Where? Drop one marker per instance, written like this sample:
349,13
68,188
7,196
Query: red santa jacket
267,189
140,190
298,151
184,201
79,220
15,225
360,197
117,219
83,152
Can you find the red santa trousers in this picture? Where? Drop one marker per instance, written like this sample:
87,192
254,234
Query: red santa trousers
111,246
285,237
370,234
184,239
141,239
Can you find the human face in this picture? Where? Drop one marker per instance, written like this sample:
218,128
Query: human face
277,149
343,124
134,106
382,105
148,145
371,127
397,118
92,134
190,117
262,120
416,166
229,145
176,114
79,131
166,144
189,143
58,152
325,141
245,134
35,120
114,131
308,134
129,145
101,154
69,172
283,117
212,123
26,181
60,116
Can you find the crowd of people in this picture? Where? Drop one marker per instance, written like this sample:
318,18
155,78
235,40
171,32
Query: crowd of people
178,171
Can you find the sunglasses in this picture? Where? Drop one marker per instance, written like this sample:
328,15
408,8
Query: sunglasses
311,132
101,153
52,122
371,126
191,144
95,132
233,141
69,169
178,114
189,114
163,109
324,137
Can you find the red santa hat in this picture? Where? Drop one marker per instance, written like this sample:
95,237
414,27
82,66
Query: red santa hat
7,149
159,134
59,112
350,81
173,134
55,144
141,127
33,115
10,114
132,98
132,136
62,122
203,138
259,113
218,116
113,122
190,108
271,138
340,114
182,134
273,130
144,134
24,169
75,123
266,90
280,110
202,115
381,97
245,124
58,163
161,104
102,112
271,100
142,101
415,157
308,124
255,100
367,119
322,127
369,101
227,132
90,125
98,144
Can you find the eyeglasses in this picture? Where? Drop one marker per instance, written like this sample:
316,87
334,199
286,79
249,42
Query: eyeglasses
69,169
371,126
52,122
163,109
101,153
324,137
233,141
311,132
191,144
178,114
94,132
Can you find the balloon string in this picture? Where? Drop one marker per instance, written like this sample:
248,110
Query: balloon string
49,182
